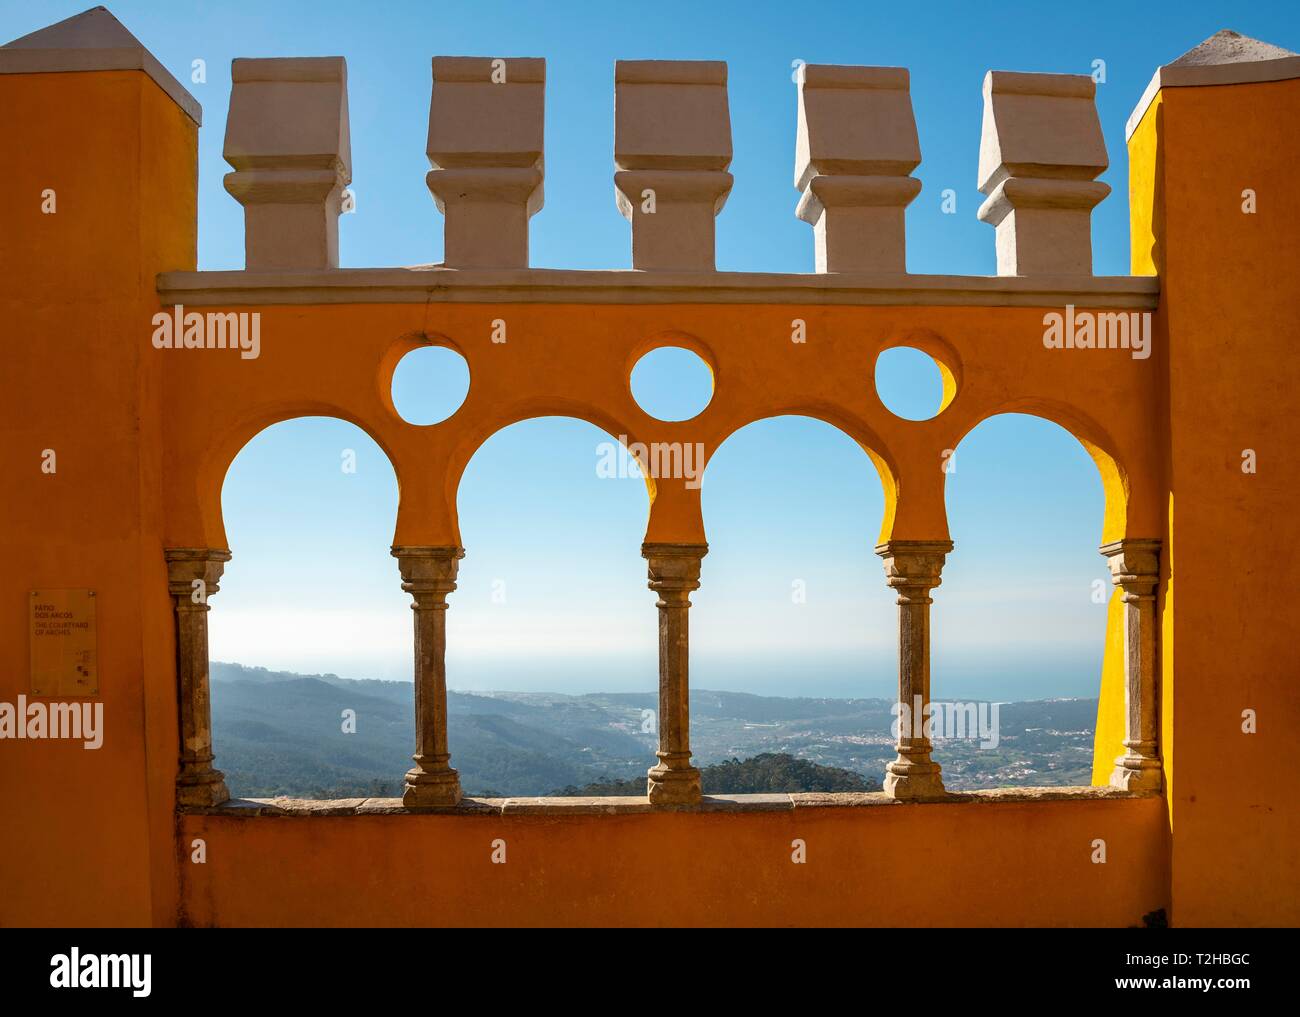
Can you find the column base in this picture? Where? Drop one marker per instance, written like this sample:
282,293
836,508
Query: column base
202,790
439,790
909,780
1137,774
673,787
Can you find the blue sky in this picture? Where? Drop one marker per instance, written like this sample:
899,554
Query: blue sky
553,590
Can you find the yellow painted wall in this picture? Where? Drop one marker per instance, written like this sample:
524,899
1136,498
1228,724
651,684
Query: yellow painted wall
1108,738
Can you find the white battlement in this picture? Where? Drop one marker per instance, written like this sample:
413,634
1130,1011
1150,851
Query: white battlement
856,146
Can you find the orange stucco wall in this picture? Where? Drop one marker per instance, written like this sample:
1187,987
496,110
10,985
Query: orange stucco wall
1229,283
1020,864
575,360
144,437
86,831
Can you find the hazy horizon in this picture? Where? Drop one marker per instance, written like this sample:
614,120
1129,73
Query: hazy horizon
977,685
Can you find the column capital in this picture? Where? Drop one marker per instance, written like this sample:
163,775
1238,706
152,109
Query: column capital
674,567
914,563
1134,562
428,569
187,564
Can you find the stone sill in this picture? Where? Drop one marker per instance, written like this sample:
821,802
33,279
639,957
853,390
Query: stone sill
629,805
434,283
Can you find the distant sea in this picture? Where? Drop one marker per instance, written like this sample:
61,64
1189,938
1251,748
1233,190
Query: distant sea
1001,677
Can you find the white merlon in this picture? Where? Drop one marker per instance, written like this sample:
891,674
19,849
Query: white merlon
855,149
486,143
93,40
1225,58
287,138
1041,151
672,147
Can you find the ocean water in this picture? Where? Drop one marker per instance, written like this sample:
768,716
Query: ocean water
1012,677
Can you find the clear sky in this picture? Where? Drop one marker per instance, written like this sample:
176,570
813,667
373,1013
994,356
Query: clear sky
553,588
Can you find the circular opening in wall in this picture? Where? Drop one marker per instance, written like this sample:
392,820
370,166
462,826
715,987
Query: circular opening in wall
672,383
909,383
430,384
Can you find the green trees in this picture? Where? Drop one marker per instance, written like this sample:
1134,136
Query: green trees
768,772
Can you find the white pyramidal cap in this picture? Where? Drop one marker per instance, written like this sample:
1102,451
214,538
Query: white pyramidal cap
1225,58
93,40
1228,47
486,144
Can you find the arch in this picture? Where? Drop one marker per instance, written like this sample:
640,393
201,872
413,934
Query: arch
793,602
311,592
210,476
551,598
1095,441
849,424
473,440
1045,634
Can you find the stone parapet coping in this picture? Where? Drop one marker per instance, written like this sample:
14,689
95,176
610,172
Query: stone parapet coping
432,283
248,808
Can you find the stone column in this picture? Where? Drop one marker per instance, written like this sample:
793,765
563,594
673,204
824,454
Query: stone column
428,575
1135,569
193,574
913,567
674,572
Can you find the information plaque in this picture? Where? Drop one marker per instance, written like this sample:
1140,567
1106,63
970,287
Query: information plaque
62,630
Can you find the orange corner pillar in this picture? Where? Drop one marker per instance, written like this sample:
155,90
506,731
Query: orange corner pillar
1215,211
99,181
